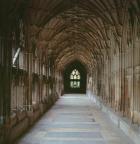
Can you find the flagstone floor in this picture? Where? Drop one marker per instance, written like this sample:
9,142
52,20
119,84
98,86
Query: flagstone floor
74,120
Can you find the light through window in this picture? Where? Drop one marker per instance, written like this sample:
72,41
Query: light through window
75,79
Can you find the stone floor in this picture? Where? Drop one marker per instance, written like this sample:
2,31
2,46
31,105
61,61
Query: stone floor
74,120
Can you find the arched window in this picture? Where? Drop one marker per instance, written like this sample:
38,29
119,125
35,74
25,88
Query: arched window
75,79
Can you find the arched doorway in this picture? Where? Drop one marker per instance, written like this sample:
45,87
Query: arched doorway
75,78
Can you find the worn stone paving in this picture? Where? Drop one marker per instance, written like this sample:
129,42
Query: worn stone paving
74,120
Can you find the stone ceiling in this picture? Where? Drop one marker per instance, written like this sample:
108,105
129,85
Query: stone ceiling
76,29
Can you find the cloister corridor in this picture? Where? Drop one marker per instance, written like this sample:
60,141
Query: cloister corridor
69,71
74,119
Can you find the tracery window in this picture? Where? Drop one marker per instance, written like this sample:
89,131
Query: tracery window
75,79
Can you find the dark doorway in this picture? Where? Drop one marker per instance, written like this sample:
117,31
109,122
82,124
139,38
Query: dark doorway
75,78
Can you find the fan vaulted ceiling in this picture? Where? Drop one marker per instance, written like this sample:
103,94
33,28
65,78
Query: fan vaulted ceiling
75,29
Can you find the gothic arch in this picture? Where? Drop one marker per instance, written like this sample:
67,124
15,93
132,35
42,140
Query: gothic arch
75,78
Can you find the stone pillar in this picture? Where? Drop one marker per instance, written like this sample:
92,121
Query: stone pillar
5,69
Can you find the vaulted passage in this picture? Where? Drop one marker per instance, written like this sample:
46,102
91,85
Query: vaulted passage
49,48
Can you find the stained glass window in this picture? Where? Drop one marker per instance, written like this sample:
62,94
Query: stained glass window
75,79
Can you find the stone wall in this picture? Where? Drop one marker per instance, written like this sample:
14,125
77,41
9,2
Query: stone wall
116,79
22,121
